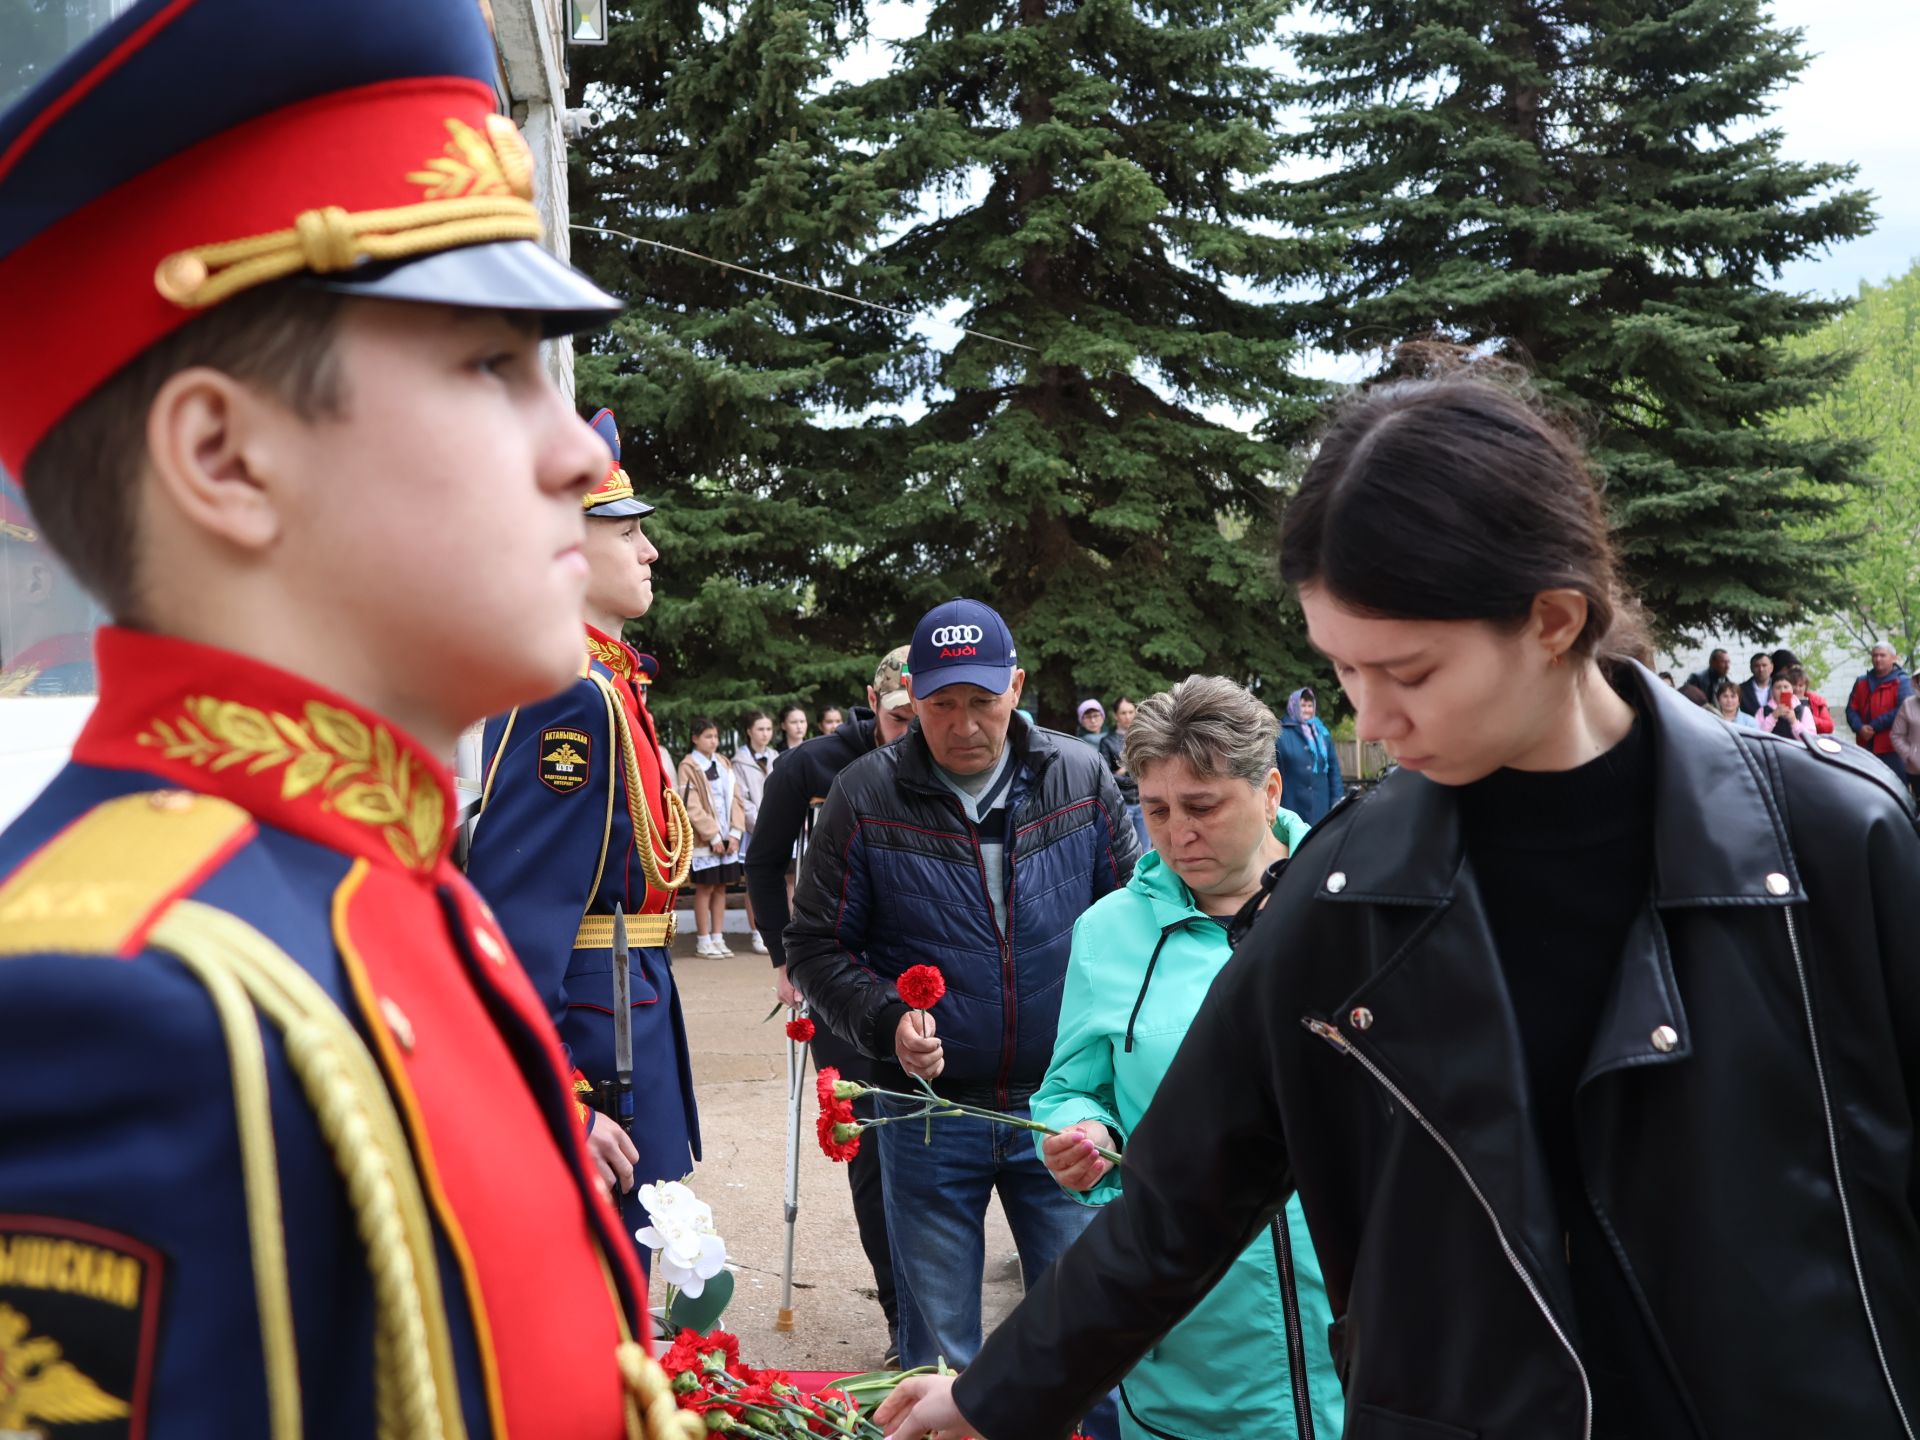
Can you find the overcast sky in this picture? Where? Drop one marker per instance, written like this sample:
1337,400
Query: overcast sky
1855,102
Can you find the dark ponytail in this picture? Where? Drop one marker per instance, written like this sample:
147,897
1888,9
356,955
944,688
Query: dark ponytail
1453,497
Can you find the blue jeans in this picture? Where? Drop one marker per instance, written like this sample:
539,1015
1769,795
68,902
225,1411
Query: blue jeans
1139,827
936,1222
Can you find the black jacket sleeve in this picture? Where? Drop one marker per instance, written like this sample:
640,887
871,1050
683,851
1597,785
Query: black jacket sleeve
1204,1171
1125,841
826,938
783,811
1113,750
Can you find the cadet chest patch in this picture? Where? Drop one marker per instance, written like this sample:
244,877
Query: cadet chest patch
78,1311
566,758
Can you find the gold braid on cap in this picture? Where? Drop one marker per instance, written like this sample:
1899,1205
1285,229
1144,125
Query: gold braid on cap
328,240
479,189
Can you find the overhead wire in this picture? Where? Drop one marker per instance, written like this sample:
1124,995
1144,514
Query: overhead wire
798,284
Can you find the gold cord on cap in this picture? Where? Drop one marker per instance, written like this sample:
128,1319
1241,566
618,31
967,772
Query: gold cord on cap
330,239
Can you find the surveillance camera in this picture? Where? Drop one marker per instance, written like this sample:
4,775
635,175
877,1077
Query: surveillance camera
576,123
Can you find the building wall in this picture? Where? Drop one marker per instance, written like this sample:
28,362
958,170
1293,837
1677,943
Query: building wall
533,83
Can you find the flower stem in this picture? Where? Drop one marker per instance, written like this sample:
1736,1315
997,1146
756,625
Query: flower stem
932,1105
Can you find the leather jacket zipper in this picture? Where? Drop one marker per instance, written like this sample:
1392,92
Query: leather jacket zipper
1839,1180
1331,1034
1296,1342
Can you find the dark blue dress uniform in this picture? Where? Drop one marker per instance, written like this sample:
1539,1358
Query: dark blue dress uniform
577,817
272,1086
286,1141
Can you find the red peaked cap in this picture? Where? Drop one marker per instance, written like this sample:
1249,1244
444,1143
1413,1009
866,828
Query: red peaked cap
192,148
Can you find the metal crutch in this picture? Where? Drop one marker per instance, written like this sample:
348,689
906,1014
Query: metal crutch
797,1056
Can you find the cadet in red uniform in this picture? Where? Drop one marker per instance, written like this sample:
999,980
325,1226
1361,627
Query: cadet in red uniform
577,817
286,1144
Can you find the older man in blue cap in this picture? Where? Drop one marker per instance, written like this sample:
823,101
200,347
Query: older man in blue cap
974,844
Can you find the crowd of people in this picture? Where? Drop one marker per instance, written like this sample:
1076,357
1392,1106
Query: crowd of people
1776,697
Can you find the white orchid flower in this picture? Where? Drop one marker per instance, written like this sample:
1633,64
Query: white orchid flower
689,1251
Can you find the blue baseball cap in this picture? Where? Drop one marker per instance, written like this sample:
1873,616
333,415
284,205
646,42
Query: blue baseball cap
961,642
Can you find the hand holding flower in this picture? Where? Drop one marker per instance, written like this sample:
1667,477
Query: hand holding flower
917,1045
920,1406
1073,1156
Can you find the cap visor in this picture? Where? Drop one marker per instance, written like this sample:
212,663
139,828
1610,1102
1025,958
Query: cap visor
500,275
994,678
895,700
619,509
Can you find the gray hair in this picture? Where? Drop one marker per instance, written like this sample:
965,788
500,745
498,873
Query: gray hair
1216,726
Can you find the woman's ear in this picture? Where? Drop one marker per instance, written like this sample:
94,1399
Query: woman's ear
1558,618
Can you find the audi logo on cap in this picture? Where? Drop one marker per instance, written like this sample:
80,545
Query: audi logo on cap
958,635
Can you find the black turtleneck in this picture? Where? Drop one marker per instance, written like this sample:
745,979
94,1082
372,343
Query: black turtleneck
1564,861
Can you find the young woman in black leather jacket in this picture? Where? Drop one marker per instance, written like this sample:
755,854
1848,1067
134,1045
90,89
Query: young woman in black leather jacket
1590,1038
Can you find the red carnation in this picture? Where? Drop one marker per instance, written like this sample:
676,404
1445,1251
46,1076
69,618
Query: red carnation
800,1028
922,986
839,1135
686,1357
721,1340
823,1082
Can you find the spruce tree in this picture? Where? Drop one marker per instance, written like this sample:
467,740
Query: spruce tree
1082,178
1592,185
737,397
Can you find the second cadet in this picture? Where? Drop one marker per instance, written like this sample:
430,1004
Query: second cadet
576,818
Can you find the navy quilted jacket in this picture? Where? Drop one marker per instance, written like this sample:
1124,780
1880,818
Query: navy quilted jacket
894,878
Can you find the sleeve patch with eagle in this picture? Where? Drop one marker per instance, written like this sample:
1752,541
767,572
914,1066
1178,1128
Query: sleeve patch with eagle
78,1312
566,758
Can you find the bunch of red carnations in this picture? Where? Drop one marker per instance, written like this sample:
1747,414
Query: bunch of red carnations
840,1129
710,1379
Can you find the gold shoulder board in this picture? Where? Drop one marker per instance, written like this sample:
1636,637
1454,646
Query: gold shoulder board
97,885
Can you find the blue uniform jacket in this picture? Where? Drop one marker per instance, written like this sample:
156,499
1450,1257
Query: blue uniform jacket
130,1243
551,849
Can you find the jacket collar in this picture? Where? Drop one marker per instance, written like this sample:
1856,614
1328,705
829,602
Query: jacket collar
1033,751
617,656
1171,900
296,756
1717,837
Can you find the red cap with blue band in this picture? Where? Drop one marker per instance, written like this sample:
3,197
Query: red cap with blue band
192,149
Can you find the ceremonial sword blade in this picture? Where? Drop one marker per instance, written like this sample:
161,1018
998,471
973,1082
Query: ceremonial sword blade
622,1001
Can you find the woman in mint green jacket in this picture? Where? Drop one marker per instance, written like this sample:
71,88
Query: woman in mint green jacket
1142,960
